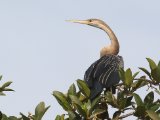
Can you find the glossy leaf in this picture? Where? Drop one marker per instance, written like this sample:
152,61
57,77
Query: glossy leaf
122,74
62,100
72,90
152,64
149,98
81,96
135,74
75,100
24,117
156,74
40,110
80,110
146,71
128,77
83,88
153,115
7,89
138,99
136,85
6,84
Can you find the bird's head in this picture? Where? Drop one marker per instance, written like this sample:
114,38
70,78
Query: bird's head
92,22
113,48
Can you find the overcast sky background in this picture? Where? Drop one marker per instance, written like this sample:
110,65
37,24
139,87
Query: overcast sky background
41,52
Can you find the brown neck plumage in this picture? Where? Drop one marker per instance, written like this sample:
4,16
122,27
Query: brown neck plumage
113,48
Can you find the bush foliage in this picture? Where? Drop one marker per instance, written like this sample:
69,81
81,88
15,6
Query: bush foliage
125,103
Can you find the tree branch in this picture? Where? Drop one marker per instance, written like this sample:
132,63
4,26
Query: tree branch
124,116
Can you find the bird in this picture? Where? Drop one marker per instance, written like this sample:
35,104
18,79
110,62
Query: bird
104,72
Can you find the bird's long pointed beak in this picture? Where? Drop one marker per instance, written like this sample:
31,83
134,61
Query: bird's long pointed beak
79,21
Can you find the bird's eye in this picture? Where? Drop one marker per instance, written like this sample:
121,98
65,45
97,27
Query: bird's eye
90,20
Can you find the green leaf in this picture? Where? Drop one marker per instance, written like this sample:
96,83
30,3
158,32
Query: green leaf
110,98
7,89
97,112
40,110
116,115
122,74
94,103
153,115
75,100
78,104
138,99
83,88
80,110
13,118
157,91
24,117
138,84
2,94
87,107
1,115
80,96
4,117
6,84
122,103
156,74
135,74
58,117
146,71
159,64
129,101
152,64
128,77
72,90
0,77
149,98
158,112
62,100
155,107
140,111
72,116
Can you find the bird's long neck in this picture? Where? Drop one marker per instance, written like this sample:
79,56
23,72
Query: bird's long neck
113,48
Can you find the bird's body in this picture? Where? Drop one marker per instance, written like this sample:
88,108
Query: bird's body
103,73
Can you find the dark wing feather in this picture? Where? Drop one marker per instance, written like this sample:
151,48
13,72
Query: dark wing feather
103,73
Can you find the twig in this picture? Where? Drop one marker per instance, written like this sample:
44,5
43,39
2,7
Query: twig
145,80
124,116
149,81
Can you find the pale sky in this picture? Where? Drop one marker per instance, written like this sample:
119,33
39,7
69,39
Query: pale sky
41,52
